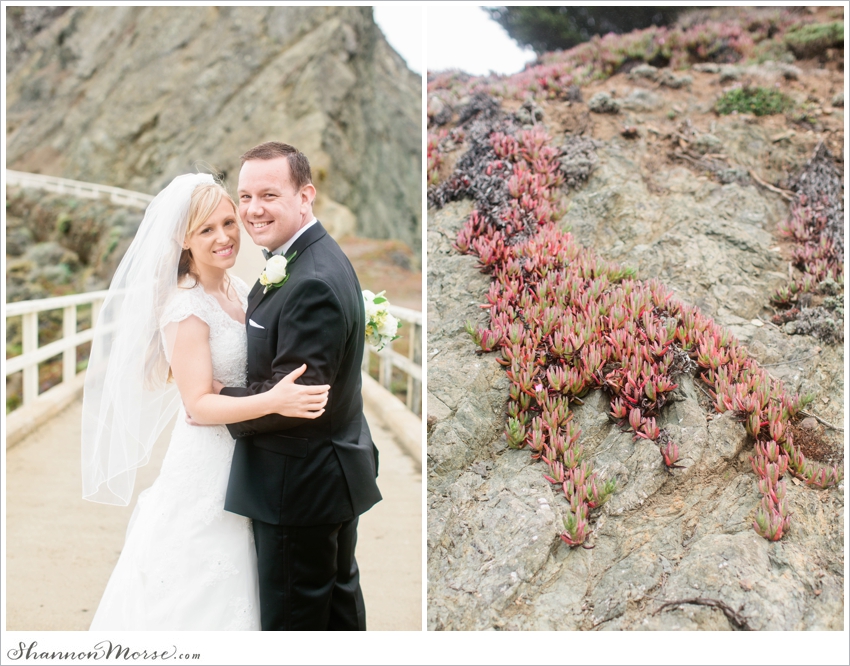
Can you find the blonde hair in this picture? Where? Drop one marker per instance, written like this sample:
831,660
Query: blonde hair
205,199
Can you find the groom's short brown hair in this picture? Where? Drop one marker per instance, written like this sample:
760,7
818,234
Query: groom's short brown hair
299,166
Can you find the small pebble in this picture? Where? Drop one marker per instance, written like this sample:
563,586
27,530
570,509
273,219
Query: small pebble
809,423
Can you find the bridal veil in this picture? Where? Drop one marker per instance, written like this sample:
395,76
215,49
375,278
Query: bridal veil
128,400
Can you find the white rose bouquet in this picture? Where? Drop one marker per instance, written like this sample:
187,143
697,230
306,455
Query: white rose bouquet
381,326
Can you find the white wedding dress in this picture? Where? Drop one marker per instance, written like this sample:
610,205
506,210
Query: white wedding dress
187,564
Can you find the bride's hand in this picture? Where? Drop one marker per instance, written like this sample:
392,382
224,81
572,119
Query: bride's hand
298,400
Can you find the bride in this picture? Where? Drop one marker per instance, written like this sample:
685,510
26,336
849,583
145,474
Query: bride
172,324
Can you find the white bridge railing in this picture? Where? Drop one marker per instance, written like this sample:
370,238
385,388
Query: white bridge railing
27,362
410,365
78,188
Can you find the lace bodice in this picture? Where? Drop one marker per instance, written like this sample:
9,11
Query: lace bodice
228,344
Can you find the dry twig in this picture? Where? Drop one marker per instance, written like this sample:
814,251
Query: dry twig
785,194
737,620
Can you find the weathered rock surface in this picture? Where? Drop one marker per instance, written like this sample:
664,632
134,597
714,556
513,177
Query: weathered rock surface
494,557
133,96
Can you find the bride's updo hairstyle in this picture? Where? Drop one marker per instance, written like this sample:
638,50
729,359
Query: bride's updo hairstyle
205,199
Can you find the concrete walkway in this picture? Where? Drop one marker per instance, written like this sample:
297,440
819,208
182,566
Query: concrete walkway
61,549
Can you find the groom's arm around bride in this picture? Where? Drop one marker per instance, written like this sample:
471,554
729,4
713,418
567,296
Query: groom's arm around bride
302,481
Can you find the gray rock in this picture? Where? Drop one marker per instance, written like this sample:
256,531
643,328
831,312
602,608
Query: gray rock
790,72
578,160
573,94
729,73
23,24
838,99
494,557
670,80
774,70
706,67
734,175
640,99
707,143
602,102
529,113
133,96
644,71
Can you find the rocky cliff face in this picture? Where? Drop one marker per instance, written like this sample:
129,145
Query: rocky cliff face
133,96
494,557
658,181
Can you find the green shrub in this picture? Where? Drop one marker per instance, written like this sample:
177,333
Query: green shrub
756,100
807,113
12,403
63,224
811,40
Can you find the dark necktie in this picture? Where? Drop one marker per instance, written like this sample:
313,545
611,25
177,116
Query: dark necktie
266,254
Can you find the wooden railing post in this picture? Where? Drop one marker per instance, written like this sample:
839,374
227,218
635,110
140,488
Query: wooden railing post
30,344
32,355
95,311
69,356
385,371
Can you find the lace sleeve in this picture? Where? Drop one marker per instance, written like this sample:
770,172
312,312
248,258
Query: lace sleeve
182,305
185,303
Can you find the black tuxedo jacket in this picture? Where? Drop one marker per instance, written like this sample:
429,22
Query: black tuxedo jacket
299,472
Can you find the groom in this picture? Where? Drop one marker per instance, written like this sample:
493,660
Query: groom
303,482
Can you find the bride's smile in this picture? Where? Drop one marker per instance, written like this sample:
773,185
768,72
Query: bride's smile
215,243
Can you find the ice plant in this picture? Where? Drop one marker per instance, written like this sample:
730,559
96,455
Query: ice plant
564,322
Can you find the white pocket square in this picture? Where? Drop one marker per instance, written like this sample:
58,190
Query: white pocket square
251,322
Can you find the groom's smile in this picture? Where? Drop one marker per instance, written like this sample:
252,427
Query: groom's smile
271,207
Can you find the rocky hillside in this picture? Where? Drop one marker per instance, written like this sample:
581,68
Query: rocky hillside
132,96
699,170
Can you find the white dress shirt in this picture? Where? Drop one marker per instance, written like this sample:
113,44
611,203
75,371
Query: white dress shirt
288,244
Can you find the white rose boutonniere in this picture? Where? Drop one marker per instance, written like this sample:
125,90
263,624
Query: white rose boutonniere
381,326
274,275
